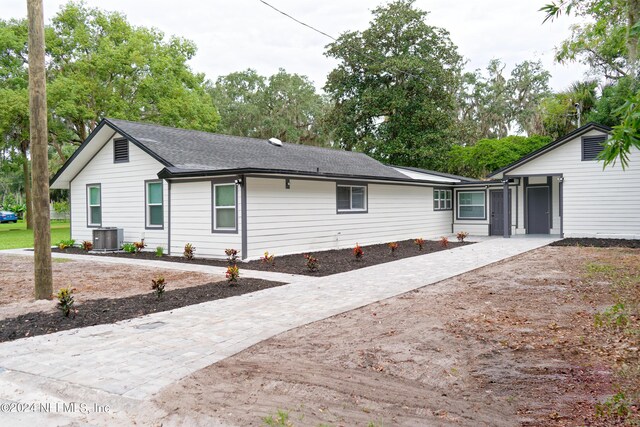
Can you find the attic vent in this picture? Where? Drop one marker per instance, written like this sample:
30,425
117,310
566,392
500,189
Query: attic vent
275,141
592,146
120,151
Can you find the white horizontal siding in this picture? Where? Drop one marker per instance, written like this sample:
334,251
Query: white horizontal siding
304,218
123,195
596,202
191,216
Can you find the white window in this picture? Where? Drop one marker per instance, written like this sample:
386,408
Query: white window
224,207
441,200
351,198
94,205
471,205
155,210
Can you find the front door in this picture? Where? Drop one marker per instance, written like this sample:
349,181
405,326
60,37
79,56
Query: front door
496,222
538,210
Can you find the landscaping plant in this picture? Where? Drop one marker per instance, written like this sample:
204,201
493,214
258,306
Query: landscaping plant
159,251
420,243
393,246
67,243
444,242
87,246
65,301
189,249
157,285
232,256
139,246
268,258
129,248
462,235
358,252
312,262
233,273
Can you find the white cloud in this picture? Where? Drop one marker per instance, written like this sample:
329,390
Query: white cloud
233,35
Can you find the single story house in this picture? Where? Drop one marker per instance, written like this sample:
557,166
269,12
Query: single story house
173,186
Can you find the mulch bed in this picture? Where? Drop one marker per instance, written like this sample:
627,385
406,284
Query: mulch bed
330,262
110,310
598,243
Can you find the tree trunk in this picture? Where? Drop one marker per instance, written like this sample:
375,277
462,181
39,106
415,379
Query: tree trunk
27,191
633,15
38,137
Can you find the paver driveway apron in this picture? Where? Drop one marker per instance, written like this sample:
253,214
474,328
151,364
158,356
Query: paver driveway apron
136,358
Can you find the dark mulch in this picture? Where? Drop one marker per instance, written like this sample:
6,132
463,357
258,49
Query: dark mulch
330,262
110,310
598,243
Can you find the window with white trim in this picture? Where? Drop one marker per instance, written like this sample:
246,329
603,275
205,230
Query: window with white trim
471,204
224,207
351,198
441,200
155,209
94,205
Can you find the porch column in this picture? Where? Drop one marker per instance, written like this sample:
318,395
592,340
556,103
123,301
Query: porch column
505,207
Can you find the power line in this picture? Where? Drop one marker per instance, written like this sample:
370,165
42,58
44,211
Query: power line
297,20
406,73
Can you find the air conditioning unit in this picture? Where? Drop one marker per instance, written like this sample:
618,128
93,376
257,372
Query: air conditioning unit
108,239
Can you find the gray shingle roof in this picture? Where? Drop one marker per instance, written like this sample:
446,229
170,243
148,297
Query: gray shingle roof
188,150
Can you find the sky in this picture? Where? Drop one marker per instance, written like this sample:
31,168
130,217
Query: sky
234,35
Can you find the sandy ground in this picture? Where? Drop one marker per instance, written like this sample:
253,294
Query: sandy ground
91,279
504,345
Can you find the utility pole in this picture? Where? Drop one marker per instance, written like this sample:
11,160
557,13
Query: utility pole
39,144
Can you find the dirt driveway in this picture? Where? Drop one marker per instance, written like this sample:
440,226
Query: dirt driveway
92,280
504,345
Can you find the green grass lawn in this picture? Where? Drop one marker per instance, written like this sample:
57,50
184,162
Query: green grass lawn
13,236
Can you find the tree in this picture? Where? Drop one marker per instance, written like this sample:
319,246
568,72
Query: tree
488,155
607,108
393,92
38,134
610,46
284,105
557,114
491,104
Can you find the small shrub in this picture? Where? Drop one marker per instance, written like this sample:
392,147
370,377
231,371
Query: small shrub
232,256
461,236
615,316
189,249
130,248
159,251
139,246
358,252
87,246
616,406
393,246
157,285
312,262
444,242
64,244
420,243
268,258
65,301
233,273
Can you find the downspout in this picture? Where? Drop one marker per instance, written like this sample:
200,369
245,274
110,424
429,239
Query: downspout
245,246
505,207
560,205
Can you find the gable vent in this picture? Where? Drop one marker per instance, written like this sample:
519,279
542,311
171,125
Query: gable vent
275,141
120,151
592,146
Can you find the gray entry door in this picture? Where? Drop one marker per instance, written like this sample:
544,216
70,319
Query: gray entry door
497,215
538,210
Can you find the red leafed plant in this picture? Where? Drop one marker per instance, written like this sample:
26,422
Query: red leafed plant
462,235
233,272
312,262
393,246
358,252
444,242
87,245
268,258
420,243
139,246
232,256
